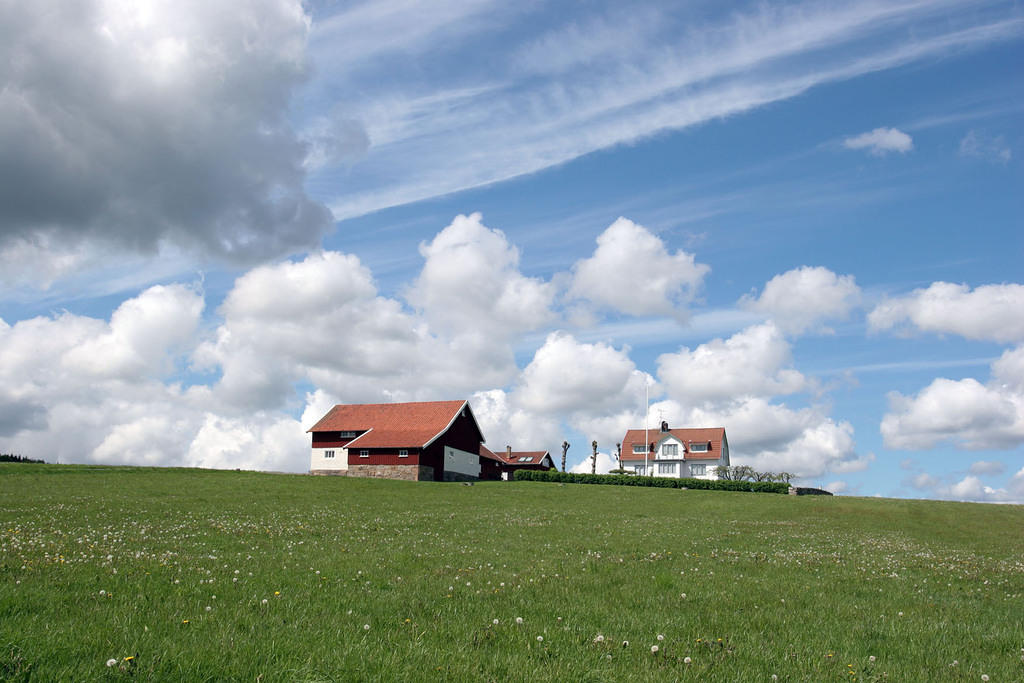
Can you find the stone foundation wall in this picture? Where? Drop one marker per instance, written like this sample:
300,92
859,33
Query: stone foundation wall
404,472
805,491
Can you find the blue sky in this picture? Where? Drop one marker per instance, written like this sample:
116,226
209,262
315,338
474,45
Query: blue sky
800,221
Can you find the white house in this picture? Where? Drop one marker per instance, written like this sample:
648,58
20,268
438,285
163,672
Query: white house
676,453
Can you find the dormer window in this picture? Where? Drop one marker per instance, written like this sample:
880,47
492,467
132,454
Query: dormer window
670,450
702,447
639,448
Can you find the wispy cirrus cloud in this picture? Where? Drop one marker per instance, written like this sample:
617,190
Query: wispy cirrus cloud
473,102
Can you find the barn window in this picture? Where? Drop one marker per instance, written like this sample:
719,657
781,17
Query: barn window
403,453
364,453
328,454
346,435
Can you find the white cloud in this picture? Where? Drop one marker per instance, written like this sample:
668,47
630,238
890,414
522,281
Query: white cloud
980,146
837,487
989,312
881,141
800,299
633,271
470,283
971,488
605,463
499,114
190,143
965,412
753,362
984,467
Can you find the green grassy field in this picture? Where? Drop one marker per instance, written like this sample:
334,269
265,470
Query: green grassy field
198,575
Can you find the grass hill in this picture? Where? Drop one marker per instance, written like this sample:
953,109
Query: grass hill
208,576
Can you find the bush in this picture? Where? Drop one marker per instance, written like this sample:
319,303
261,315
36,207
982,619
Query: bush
660,482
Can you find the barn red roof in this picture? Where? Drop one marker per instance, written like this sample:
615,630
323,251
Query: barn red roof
392,425
710,435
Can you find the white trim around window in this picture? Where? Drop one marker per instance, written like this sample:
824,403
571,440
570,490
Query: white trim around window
364,453
403,453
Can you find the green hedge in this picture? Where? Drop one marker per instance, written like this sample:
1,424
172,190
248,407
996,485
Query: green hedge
660,482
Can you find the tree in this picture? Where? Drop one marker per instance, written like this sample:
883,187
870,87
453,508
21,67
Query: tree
565,449
593,458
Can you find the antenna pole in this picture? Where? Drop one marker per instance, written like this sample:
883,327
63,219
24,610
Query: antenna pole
647,415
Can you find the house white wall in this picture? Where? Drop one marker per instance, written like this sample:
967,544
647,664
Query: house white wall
319,461
462,462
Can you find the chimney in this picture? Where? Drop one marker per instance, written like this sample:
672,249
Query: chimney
508,452
664,426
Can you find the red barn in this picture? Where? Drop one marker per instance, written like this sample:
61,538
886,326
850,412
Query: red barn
424,441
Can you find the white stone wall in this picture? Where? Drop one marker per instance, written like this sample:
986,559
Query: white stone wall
462,462
317,461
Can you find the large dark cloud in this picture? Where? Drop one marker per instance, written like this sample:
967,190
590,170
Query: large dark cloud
141,122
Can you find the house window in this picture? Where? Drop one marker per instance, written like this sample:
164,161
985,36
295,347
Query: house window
346,435
699,447
364,453
670,450
328,454
698,470
666,468
403,453
526,458
639,469
639,448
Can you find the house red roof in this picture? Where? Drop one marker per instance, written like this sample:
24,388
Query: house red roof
515,457
709,435
392,425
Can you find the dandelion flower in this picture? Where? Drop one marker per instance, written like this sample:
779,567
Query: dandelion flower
687,660
111,662
654,649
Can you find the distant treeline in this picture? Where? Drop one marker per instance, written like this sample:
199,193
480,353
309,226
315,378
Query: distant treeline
10,457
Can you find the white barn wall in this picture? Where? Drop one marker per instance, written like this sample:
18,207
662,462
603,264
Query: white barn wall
318,461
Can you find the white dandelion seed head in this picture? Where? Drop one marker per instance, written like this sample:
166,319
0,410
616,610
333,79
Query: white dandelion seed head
111,662
775,677
984,677
686,660
366,627
519,620
625,643
871,659
654,649
599,638
661,636
103,592
540,639
208,608
682,595
495,622
264,601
